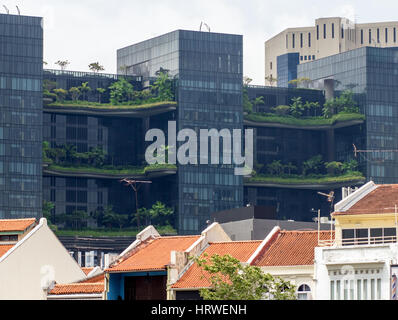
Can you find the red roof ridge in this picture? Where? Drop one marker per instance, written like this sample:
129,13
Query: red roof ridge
242,241
304,231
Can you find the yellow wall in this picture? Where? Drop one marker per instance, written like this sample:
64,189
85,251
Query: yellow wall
363,221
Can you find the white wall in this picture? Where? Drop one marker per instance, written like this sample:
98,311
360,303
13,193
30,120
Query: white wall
361,262
38,258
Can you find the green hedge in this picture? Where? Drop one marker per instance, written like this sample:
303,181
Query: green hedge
308,121
95,105
112,170
312,179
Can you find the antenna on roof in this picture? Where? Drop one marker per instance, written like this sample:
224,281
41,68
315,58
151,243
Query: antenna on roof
8,11
19,12
203,23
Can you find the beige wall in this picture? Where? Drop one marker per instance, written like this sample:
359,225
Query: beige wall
40,256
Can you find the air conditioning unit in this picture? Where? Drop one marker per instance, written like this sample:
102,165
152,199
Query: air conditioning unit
324,220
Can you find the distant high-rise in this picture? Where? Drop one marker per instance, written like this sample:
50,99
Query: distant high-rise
329,36
21,99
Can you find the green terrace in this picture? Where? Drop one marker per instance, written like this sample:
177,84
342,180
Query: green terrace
110,172
313,173
321,182
338,112
121,98
310,123
102,109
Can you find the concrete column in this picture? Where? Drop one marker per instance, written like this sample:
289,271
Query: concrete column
328,85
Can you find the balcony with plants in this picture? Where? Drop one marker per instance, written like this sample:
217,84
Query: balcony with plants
311,174
119,99
66,161
339,112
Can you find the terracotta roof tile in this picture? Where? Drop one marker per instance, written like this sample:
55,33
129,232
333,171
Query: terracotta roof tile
87,270
94,279
5,248
77,288
291,248
377,201
8,225
195,277
153,254
89,286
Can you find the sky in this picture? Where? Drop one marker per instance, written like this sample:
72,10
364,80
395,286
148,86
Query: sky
86,31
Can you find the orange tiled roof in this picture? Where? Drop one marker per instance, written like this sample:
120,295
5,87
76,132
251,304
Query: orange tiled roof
89,286
77,288
195,277
9,225
291,248
4,248
381,200
153,254
87,270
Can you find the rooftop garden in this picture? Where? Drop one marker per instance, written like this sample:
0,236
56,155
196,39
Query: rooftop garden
312,171
119,95
304,114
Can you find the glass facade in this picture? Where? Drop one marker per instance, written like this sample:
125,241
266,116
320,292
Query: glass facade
372,74
287,68
208,67
21,61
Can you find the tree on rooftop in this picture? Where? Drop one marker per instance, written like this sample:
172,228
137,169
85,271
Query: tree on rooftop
61,94
270,79
96,67
100,92
231,280
63,64
275,167
121,91
297,108
85,89
163,86
344,103
312,165
74,93
247,104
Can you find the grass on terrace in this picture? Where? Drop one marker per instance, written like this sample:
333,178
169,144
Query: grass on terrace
96,105
308,121
113,170
163,230
312,179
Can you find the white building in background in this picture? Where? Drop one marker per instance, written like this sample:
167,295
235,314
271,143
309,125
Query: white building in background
327,37
360,262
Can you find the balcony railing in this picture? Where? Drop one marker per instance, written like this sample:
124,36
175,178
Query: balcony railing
357,241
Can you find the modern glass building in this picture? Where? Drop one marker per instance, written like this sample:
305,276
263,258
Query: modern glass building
21,98
287,68
372,74
208,68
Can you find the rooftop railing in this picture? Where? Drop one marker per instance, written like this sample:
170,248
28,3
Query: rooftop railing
83,74
357,241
